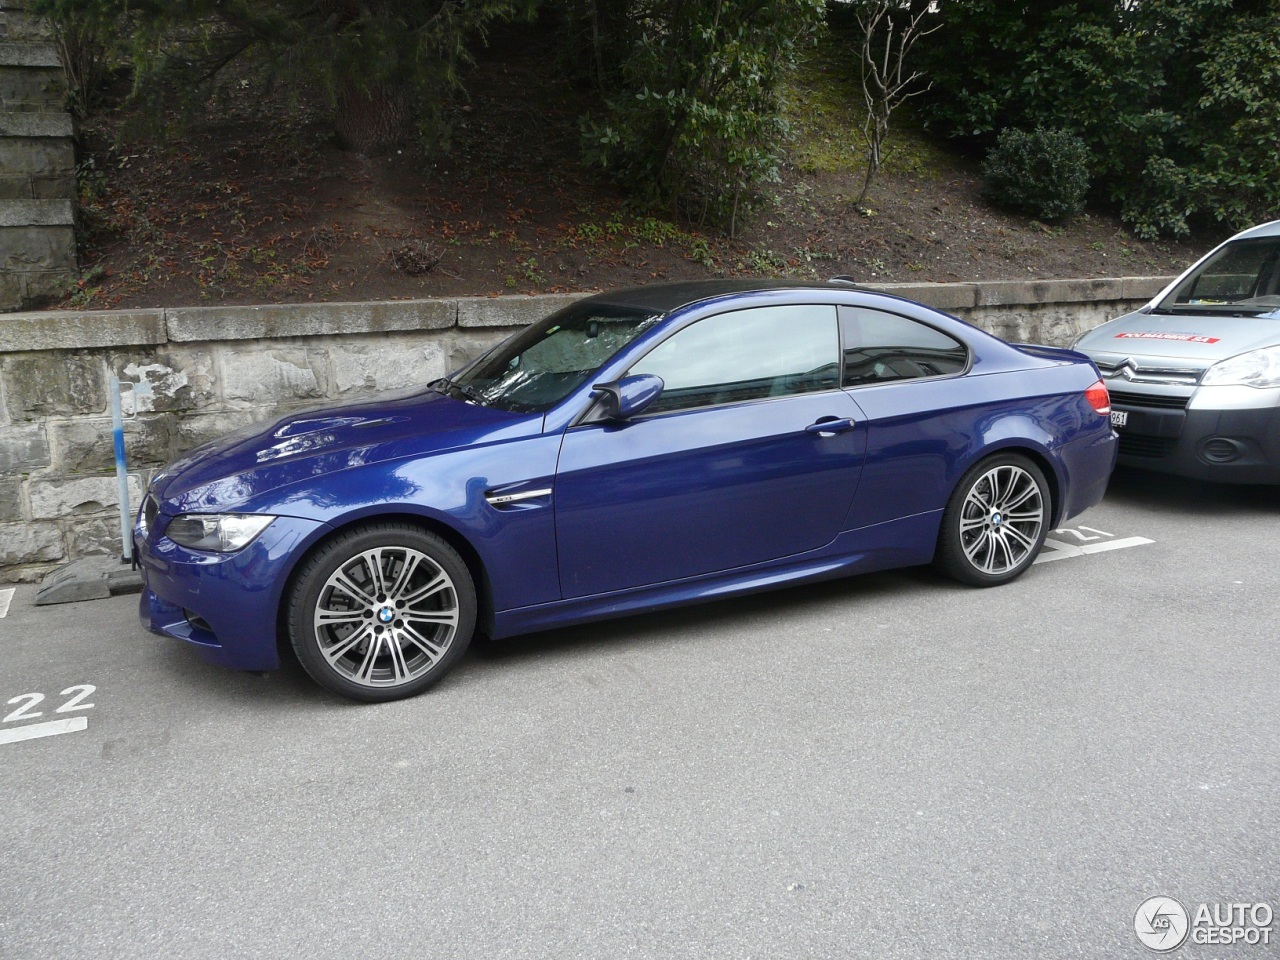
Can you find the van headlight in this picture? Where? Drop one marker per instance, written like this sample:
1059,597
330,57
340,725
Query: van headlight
219,532
1257,368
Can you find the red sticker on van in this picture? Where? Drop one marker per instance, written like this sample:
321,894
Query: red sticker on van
1183,337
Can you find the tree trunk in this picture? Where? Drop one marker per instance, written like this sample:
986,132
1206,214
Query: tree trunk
374,119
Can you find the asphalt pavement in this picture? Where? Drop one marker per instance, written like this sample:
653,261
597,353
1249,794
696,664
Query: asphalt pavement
889,766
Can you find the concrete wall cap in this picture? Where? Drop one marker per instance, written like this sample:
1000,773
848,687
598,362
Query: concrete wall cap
36,213
1030,292
272,321
1143,288
941,296
21,332
70,330
512,311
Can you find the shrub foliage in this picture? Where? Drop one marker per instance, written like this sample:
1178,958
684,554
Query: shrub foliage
691,115
1178,100
1044,173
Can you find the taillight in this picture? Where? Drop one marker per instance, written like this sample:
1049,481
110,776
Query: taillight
1099,399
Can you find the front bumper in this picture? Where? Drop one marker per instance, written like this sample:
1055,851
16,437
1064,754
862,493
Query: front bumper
1223,434
225,606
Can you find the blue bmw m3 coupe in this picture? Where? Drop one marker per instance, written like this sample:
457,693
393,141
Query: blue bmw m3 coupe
638,449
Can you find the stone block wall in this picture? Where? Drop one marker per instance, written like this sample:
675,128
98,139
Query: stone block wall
20,25
195,373
37,250
37,163
37,157
31,79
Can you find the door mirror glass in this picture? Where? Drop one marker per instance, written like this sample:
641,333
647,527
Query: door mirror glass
628,397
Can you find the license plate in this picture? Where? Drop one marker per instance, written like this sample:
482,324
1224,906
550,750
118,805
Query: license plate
1119,418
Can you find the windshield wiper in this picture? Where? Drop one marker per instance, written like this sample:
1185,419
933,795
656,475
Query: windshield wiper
468,392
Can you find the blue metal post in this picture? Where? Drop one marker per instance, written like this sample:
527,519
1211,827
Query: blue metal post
122,475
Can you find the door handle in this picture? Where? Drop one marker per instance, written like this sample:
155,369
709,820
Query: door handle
829,426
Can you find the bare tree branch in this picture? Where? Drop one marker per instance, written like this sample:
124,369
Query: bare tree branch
886,85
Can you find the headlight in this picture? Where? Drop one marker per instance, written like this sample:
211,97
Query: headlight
1257,368
220,532
147,515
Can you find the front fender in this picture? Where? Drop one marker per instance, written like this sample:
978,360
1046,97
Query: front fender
515,542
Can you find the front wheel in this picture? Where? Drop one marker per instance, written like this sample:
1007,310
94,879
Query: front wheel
995,521
381,612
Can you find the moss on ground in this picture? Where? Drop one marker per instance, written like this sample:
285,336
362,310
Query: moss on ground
826,112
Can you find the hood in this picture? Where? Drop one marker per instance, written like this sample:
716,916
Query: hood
1203,337
245,469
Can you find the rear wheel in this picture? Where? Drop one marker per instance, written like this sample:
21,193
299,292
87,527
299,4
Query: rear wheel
381,612
995,522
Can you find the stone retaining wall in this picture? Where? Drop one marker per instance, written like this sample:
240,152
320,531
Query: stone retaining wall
17,23
37,157
194,373
37,163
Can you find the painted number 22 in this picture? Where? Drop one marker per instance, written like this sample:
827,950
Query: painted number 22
28,700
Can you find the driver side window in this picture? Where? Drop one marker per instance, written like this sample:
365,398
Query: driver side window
746,355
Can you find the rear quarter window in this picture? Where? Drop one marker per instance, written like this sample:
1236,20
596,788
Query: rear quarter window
880,347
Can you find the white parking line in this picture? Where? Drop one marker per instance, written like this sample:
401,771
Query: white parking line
1057,550
35,731
1114,545
6,597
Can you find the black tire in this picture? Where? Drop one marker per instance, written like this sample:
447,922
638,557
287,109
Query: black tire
995,522
381,612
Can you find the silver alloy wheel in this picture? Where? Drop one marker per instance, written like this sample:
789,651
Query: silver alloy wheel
1001,518
386,616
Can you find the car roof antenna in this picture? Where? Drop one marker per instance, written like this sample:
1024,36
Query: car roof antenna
844,278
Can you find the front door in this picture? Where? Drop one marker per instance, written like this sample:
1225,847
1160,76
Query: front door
727,469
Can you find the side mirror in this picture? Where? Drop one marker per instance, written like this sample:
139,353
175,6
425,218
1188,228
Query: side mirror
628,397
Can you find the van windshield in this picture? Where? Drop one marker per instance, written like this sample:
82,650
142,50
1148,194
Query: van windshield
1243,278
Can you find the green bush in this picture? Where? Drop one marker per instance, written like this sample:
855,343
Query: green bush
1178,100
1044,173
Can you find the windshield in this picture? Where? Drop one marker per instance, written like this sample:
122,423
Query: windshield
1243,277
543,364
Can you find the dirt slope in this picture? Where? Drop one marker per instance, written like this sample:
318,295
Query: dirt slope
260,206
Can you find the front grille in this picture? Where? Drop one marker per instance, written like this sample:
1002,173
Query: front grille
1155,401
150,510
1132,372
1152,448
